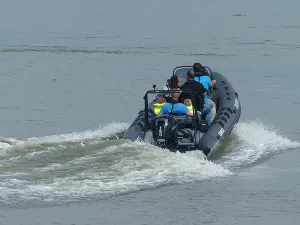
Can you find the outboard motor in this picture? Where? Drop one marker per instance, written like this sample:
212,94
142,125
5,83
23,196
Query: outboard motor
165,131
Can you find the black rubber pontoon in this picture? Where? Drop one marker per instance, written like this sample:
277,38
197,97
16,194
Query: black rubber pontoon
192,132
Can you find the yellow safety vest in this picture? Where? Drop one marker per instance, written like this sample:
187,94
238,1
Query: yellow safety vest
157,107
190,108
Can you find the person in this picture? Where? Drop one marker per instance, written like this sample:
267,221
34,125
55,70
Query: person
200,92
189,105
172,83
174,107
202,77
158,105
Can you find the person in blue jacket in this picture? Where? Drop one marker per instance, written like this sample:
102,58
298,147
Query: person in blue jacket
174,107
202,77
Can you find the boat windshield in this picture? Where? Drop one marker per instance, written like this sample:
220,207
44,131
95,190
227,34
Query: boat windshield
181,72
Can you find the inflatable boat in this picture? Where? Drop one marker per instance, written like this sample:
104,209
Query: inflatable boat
187,132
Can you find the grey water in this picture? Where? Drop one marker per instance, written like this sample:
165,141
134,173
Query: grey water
72,77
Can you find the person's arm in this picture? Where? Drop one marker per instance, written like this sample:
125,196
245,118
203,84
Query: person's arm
189,113
208,80
185,110
213,83
162,111
203,91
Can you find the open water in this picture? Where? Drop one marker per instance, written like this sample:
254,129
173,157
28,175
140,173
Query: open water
72,78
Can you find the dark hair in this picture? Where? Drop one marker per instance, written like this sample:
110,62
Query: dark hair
190,75
198,68
174,82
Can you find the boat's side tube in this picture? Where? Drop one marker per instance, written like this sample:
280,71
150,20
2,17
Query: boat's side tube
137,128
228,114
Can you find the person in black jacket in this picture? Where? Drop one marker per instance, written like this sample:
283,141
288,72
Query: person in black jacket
200,92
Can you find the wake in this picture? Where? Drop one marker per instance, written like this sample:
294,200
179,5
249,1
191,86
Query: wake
97,164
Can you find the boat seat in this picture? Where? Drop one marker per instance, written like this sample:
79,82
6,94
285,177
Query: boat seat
184,121
187,121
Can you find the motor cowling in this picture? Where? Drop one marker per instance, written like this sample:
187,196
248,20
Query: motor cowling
165,131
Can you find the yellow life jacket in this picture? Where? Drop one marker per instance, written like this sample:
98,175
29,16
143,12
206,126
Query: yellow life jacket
190,108
157,107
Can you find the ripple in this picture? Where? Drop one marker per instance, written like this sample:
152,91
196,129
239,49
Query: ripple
64,49
205,54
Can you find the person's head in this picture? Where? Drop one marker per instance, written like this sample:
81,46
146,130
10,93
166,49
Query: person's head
174,82
187,102
198,68
190,75
161,100
176,95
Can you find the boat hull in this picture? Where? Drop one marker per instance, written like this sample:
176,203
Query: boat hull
228,114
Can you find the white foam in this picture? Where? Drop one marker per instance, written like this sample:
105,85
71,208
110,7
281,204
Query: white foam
100,133
12,174
51,167
131,167
254,140
126,166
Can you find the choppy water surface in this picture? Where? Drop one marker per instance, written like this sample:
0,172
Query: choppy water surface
97,164
72,78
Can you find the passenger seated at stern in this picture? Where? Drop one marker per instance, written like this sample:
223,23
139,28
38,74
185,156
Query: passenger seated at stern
174,107
157,106
172,83
200,92
189,105
202,77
